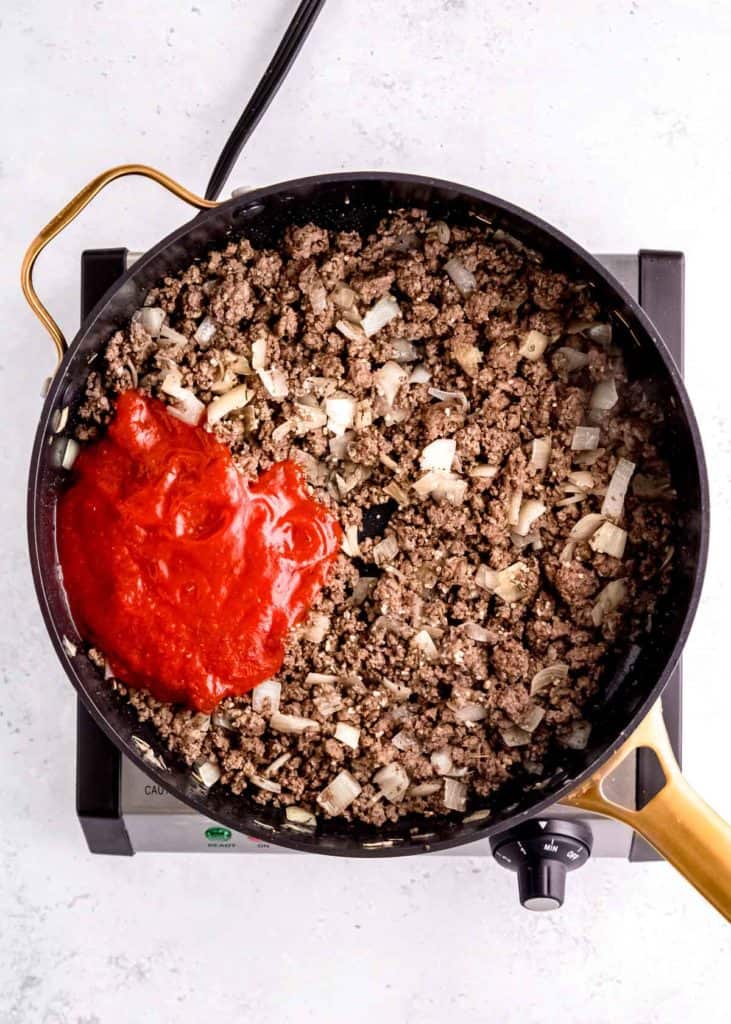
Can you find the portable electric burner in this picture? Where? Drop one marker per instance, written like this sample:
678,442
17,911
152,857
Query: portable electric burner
122,811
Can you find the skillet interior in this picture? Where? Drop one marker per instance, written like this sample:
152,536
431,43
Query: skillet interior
345,202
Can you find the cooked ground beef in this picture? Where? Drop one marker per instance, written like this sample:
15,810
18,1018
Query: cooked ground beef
416,644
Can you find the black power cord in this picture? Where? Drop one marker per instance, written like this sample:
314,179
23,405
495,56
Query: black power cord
266,90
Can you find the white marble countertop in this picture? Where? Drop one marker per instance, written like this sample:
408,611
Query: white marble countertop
610,119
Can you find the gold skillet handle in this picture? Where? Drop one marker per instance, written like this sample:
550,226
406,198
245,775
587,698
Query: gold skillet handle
684,829
69,213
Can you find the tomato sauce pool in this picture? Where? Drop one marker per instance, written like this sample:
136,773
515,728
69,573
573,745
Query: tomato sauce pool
186,575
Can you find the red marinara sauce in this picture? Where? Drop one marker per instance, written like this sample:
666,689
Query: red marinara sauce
186,575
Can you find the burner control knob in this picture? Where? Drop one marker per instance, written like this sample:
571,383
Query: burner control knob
542,851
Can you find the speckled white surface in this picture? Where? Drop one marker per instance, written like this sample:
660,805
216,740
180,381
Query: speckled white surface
610,119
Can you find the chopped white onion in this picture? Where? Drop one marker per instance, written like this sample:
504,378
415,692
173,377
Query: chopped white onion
387,381
464,280
347,734
292,724
532,538
441,762
404,351
480,815
349,543
532,718
578,736
509,584
267,784
275,383
340,411
327,706
533,346
610,597
573,358
241,365
404,741
613,504
396,491
399,691
545,676
386,550
351,331
318,297
477,633
609,540
188,408
205,331
468,356
393,781
601,333
419,375
604,396
277,763
224,383
259,354
483,471
339,794
578,326
316,627
59,419
382,313
581,479
174,337
308,415
345,485
449,396
487,578
338,445
71,450
514,736
589,457
516,500
470,712
567,552
585,439
222,720
439,454
151,319
315,471
439,230
423,642
320,679
282,432
69,646
540,453
420,789
300,816
442,485
266,696
361,588
586,527
455,795
206,773
530,511
343,296
234,399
